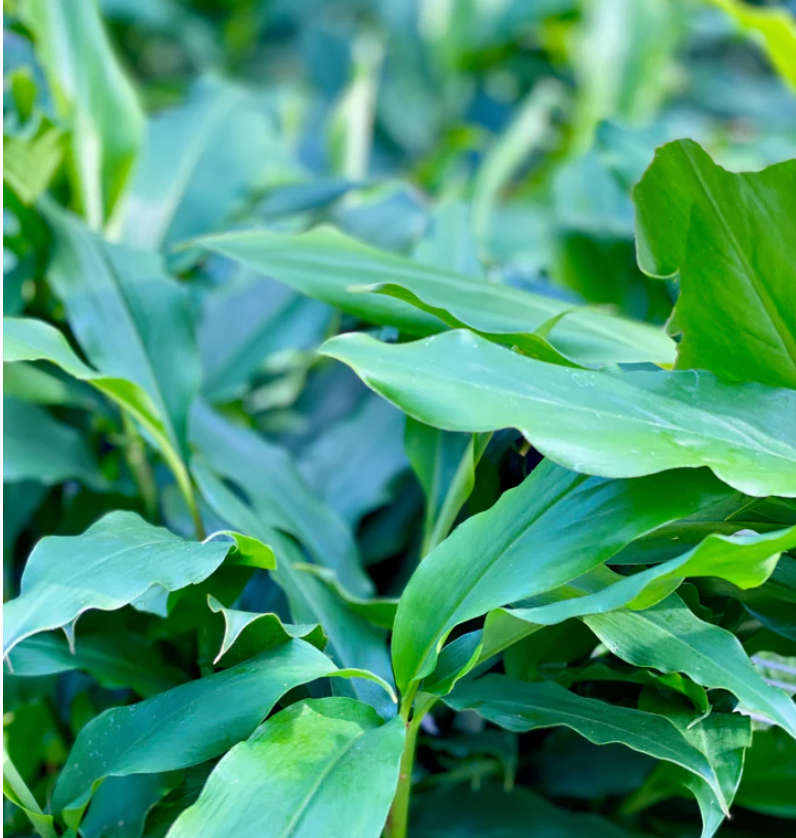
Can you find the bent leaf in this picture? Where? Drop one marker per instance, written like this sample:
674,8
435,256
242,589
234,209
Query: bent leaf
731,237
112,564
549,530
638,422
325,767
184,726
670,638
328,265
521,706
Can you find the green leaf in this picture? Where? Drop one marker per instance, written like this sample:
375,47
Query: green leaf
466,812
445,466
353,640
328,265
715,228
354,463
325,767
176,192
133,321
769,775
113,564
65,456
639,422
520,706
670,638
247,633
267,473
93,95
184,726
121,804
532,540
19,794
26,339
117,659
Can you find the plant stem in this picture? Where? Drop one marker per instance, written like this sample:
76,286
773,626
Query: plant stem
398,819
135,454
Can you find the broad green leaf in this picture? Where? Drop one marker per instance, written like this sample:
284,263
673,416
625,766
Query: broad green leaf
448,243
184,726
131,319
65,456
328,265
26,339
326,767
353,640
266,472
520,706
114,563
744,560
176,191
769,775
548,531
715,228
670,638
776,27
251,633
29,164
118,659
464,812
639,422
93,96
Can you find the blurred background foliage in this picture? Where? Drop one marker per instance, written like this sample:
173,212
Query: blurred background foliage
497,137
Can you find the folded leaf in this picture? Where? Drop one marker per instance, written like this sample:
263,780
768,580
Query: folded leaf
671,638
735,262
112,564
551,529
326,767
638,422
521,706
251,633
184,726
326,264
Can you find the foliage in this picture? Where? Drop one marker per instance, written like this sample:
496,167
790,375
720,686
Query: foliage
400,418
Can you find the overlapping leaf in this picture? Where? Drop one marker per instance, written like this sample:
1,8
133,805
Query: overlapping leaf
638,422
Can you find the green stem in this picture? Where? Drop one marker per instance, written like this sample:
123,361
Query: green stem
135,454
398,819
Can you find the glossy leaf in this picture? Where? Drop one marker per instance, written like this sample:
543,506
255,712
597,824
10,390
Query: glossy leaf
319,768
520,706
250,633
532,540
715,228
331,267
639,422
184,726
670,638
61,579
